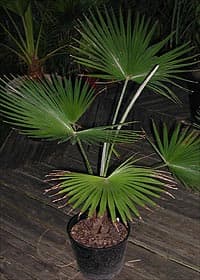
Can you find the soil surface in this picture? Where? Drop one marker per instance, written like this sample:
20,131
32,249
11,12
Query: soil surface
98,233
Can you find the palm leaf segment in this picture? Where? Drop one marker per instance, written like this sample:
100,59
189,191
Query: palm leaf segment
181,153
50,108
120,193
119,51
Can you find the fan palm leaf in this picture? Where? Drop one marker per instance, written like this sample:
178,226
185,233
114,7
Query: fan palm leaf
126,188
119,51
109,135
51,108
46,108
18,7
181,153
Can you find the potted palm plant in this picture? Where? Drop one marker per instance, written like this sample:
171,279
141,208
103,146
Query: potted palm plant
106,195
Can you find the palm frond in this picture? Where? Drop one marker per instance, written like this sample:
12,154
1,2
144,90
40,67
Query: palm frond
120,193
50,109
46,108
109,135
119,50
181,153
18,7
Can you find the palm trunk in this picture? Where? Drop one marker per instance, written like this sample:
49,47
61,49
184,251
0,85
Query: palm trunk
35,69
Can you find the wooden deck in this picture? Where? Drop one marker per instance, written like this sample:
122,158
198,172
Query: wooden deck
34,245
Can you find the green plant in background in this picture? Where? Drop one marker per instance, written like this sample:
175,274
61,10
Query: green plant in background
62,17
119,51
36,32
26,36
179,16
185,22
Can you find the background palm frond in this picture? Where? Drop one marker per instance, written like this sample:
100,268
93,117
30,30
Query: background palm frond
118,49
181,153
18,7
126,188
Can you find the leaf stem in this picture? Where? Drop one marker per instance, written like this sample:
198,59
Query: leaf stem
106,146
127,111
137,94
27,20
161,165
87,163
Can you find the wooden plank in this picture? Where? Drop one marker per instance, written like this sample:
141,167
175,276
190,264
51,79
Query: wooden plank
172,232
162,105
29,188
3,277
40,243
157,221
39,262
25,234
47,243
150,266
30,266
19,150
50,267
134,254
148,261
15,149
167,244
184,228
156,267
13,270
186,203
19,225
32,207
167,241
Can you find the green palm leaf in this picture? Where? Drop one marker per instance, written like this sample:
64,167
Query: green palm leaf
119,51
46,108
109,135
19,7
50,109
181,153
126,188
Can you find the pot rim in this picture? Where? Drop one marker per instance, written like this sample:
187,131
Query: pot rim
95,248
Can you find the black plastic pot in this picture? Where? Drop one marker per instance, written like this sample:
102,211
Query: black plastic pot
98,263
